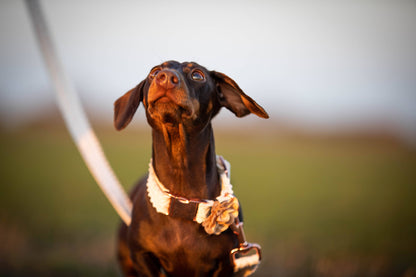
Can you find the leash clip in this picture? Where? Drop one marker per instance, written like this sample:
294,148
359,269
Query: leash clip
246,256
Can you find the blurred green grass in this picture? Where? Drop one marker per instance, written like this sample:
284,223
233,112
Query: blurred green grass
318,206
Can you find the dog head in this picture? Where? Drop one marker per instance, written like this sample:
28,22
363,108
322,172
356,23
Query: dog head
185,94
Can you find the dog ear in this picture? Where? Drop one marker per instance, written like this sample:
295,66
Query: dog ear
233,98
126,106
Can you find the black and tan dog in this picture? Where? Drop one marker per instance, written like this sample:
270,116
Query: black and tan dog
180,100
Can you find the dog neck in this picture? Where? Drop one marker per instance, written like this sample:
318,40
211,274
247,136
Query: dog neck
186,163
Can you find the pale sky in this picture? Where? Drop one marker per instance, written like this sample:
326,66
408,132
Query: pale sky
316,63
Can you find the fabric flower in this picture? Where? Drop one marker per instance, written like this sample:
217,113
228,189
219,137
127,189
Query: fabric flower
222,216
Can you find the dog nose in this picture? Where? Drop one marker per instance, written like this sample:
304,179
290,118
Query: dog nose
167,79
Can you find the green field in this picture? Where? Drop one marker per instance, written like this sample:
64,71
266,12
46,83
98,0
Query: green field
318,206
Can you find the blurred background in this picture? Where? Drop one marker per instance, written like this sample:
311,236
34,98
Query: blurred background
328,183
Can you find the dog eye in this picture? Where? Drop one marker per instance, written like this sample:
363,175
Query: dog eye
154,72
198,75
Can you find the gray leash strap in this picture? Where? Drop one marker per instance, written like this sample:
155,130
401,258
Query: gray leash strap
76,120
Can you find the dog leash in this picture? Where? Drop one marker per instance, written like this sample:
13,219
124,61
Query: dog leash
76,120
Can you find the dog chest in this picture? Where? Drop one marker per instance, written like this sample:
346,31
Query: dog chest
181,245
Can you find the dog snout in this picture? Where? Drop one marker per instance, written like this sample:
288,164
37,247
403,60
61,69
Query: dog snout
167,79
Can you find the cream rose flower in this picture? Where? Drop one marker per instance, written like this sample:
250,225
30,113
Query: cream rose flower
222,216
